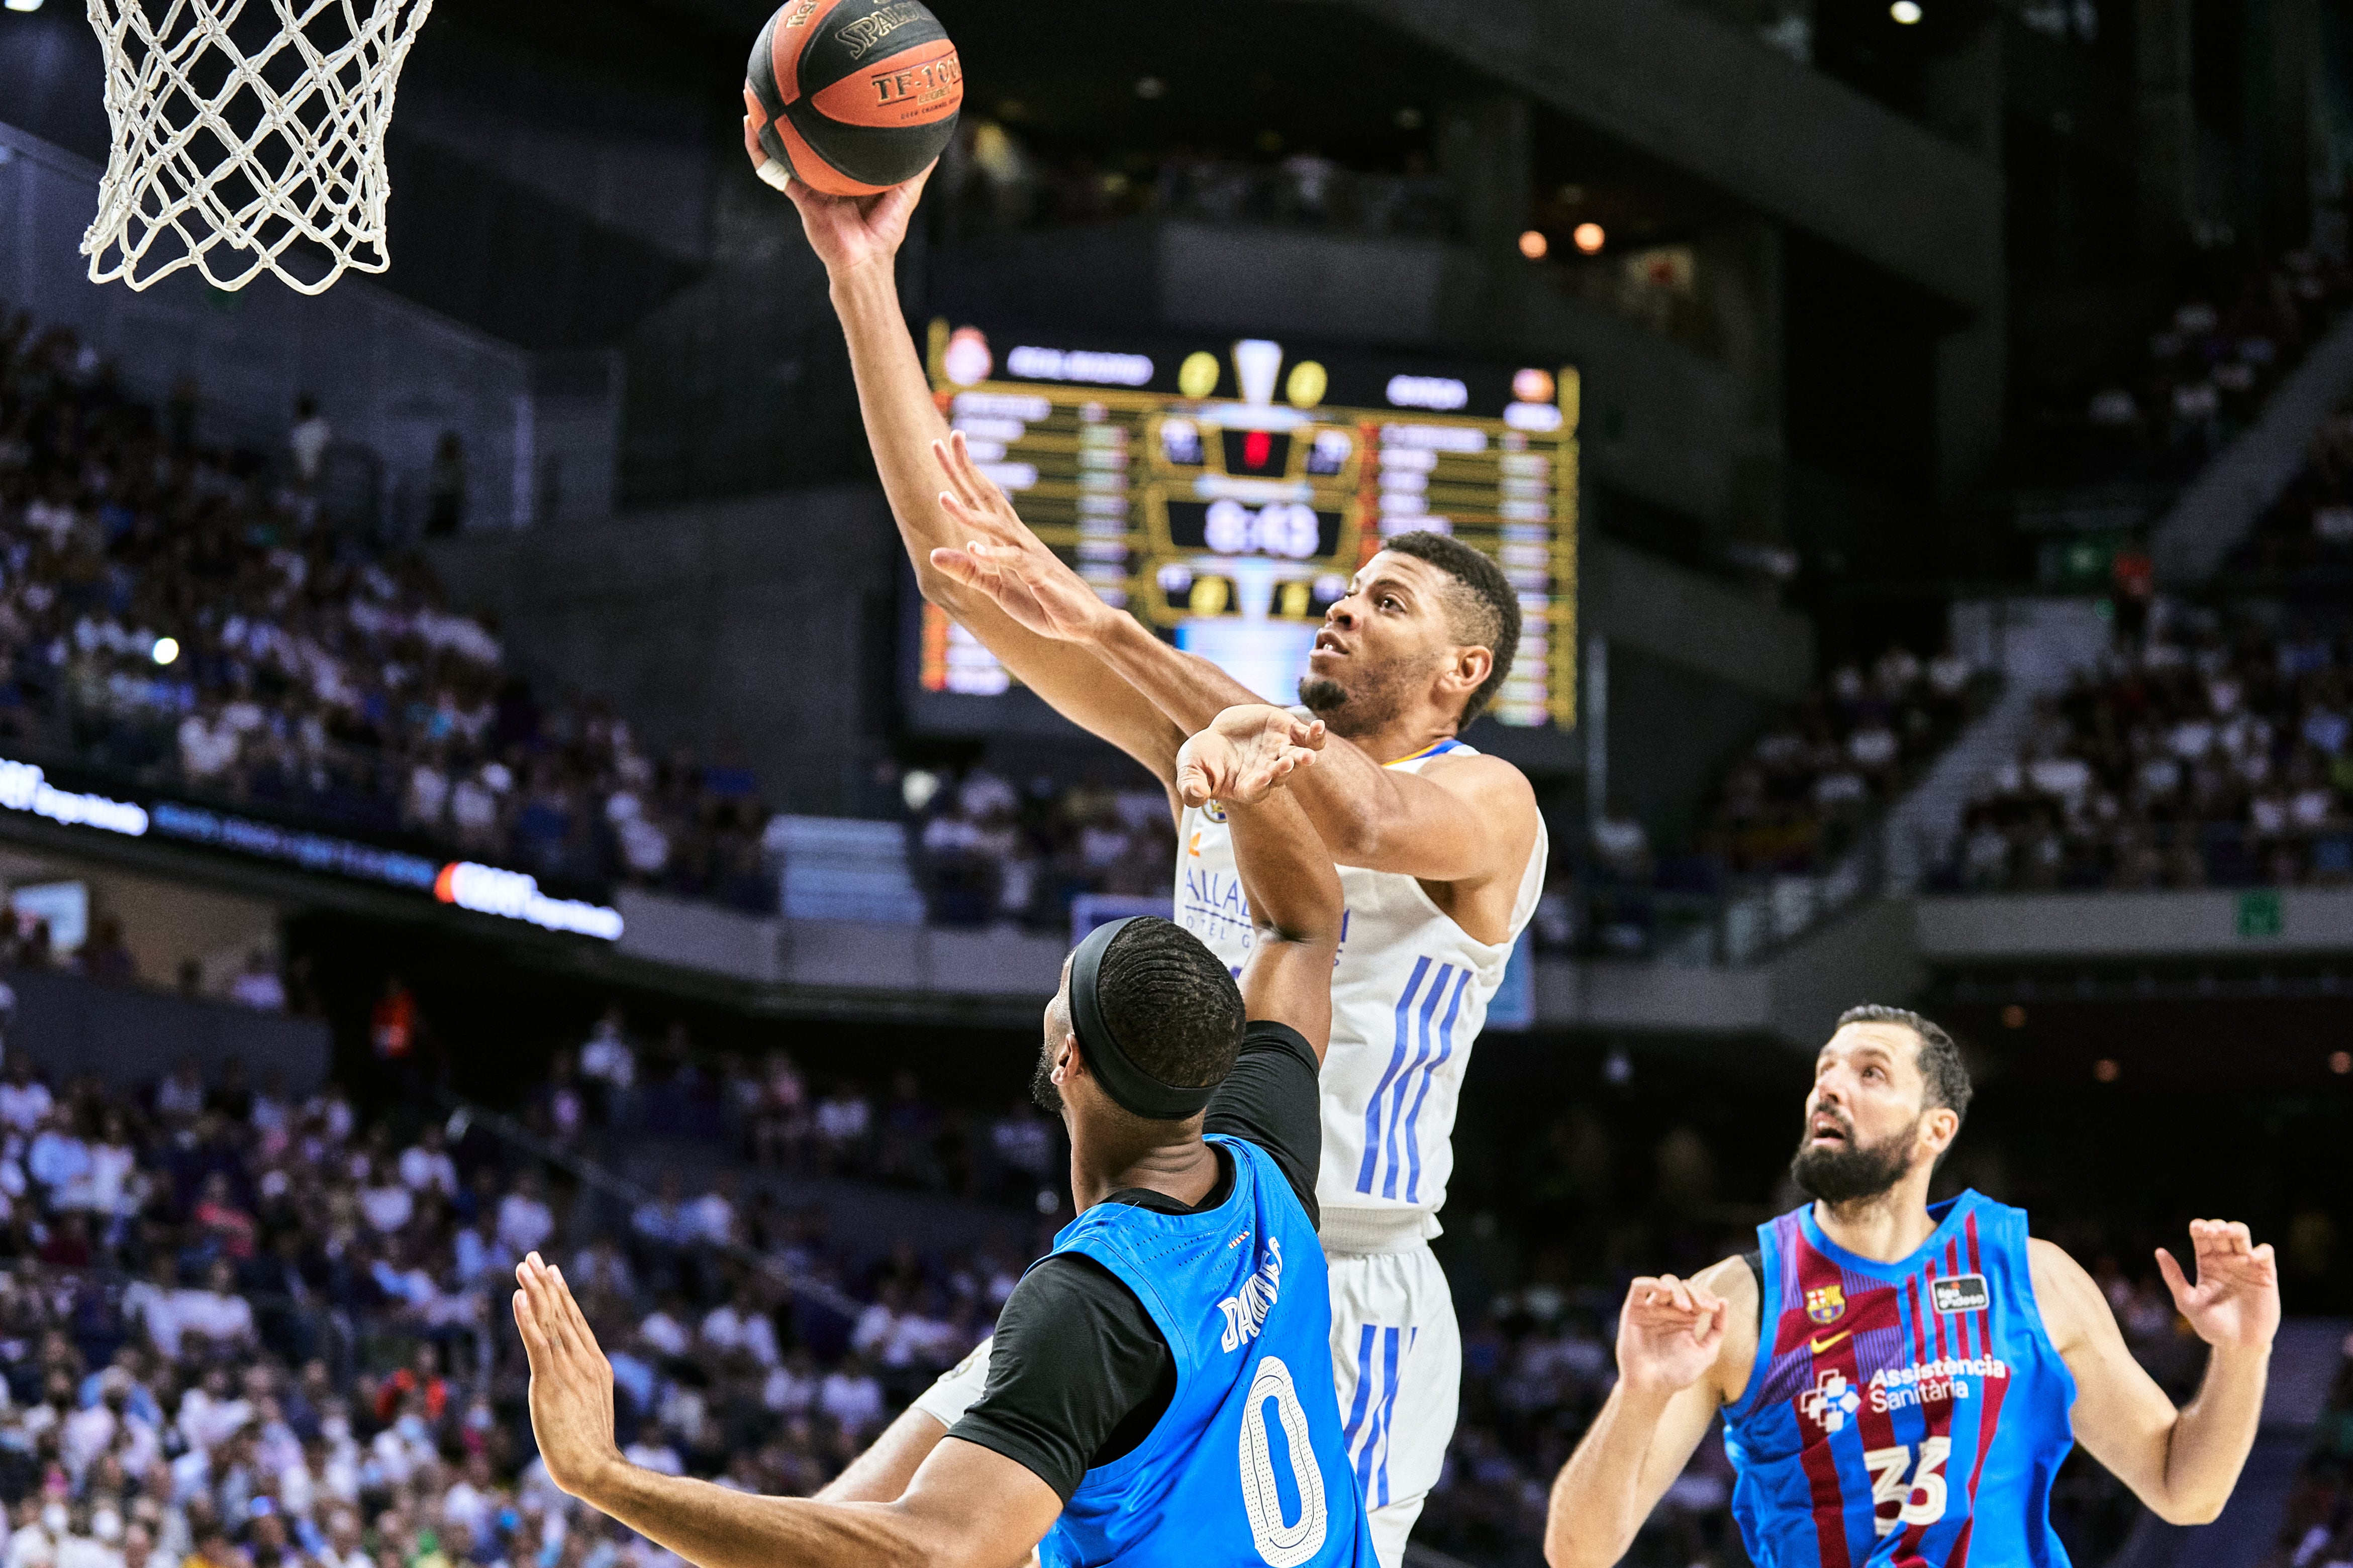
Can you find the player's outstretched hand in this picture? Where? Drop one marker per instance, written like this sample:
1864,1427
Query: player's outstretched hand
848,232
1006,562
1668,1333
2235,1303
1247,751
571,1380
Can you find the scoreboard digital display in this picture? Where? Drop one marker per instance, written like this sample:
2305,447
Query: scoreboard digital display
1224,494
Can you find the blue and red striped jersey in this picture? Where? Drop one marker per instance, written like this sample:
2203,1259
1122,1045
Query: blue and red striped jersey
1906,1414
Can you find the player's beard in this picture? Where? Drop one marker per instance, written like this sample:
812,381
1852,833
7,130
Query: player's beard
1852,1172
1378,697
1042,1087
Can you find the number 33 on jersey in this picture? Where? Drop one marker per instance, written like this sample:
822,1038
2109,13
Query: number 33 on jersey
1909,1414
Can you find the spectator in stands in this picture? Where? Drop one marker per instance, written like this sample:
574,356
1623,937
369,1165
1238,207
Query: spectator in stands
1024,1147
525,1222
105,957
845,1121
24,1100
307,441
445,498
257,985
609,1063
425,1166
779,1116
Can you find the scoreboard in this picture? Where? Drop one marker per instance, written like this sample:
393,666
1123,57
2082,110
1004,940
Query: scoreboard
1224,495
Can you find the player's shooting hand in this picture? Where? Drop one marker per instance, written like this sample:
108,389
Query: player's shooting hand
2235,1303
1003,559
571,1380
849,232
1669,1334
1247,751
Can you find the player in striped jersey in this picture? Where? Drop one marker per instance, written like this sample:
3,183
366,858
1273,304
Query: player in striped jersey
1900,1380
1441,854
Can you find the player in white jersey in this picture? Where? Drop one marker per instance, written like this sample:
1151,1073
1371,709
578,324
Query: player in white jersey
1441,850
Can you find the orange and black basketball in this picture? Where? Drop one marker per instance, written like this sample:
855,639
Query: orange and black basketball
852,96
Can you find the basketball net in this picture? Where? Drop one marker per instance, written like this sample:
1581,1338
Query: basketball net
238,162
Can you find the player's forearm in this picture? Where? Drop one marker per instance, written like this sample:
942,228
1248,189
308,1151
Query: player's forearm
1597,1500
714,1526
1190,691
1360,808
895,400
2213,1435
1286,873
881,1473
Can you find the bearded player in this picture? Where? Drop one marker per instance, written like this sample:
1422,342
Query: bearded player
1900,1380
1441,852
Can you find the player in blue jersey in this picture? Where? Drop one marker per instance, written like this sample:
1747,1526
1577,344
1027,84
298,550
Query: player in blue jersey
1900,1380
1161,1390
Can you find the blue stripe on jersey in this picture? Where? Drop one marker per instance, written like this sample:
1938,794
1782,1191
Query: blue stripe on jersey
1367,1435
1364,1388
1422,1044
1389,1407
1413,1117
1436,749
1396,1064
1422,1051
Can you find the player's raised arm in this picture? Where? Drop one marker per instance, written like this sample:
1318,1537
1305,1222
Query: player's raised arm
1684,1347
2181,1463
1244,761
857,238
967,1507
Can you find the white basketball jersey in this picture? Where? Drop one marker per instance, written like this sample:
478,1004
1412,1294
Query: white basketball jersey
1409,994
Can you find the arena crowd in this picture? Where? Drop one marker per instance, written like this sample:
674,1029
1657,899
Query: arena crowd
2216,749
181,613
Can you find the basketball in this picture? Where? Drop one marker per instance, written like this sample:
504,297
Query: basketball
850,96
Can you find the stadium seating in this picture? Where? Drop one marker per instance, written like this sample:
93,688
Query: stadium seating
2215,752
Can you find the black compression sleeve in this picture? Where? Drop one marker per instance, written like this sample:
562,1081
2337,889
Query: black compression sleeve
1078,1376
1274,1099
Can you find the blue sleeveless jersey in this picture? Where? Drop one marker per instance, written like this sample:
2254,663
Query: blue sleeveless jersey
1247,1466
1910,1414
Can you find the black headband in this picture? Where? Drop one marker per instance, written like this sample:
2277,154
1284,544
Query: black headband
1128,1085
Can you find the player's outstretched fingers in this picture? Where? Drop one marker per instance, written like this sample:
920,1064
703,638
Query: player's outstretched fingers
955,460
534,1343
552,1321
973,489
2175,1280
583,1334
538,1344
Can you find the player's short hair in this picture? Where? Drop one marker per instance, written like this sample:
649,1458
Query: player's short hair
1945,1077
1172,1003
1481,608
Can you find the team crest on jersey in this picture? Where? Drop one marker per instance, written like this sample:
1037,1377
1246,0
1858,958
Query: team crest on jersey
1215,811
1825,1305
1961,1293
1830,1401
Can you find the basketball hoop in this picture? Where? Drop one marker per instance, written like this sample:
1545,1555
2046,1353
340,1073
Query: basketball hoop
237,156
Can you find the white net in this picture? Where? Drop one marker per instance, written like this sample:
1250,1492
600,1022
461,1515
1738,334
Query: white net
247,138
